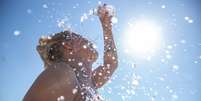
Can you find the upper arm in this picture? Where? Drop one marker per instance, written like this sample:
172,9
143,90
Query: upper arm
102,74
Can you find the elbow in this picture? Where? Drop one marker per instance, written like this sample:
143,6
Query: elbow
115,61
115,64
111,63
101,82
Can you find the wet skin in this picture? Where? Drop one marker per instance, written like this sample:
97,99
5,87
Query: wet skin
68,59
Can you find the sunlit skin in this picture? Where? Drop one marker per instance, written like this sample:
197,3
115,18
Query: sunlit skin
68,65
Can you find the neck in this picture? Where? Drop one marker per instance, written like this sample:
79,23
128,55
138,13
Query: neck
75,63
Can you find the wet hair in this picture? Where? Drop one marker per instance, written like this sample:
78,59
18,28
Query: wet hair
54,52
56,49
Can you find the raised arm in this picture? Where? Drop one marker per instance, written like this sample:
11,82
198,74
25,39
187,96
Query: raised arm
104,72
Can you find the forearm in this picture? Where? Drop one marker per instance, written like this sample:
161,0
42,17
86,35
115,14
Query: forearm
103,73
110,53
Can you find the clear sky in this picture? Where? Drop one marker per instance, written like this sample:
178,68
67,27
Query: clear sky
170,73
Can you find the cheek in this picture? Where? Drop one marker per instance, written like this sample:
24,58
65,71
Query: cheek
68,54
82,53
94,55
90,55
68,51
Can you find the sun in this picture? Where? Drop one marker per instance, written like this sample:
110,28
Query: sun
142,37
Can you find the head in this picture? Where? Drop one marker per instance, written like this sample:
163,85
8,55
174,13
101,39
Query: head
65,46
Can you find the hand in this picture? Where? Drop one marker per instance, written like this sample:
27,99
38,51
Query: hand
105,13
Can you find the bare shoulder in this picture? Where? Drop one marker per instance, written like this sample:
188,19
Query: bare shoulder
53,83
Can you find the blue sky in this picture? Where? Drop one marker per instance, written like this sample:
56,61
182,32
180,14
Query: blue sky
172,73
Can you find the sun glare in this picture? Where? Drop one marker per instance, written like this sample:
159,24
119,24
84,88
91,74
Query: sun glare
142,37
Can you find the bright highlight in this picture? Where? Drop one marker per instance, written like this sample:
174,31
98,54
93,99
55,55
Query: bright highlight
142,37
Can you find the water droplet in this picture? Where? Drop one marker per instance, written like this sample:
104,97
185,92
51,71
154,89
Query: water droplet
84,46
135,82
100,74
45,6
80,64
74,91
169,47
61,98
163,6
114,20
195,62
186,18
17,32
29,11
175,67
168,56
190,21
